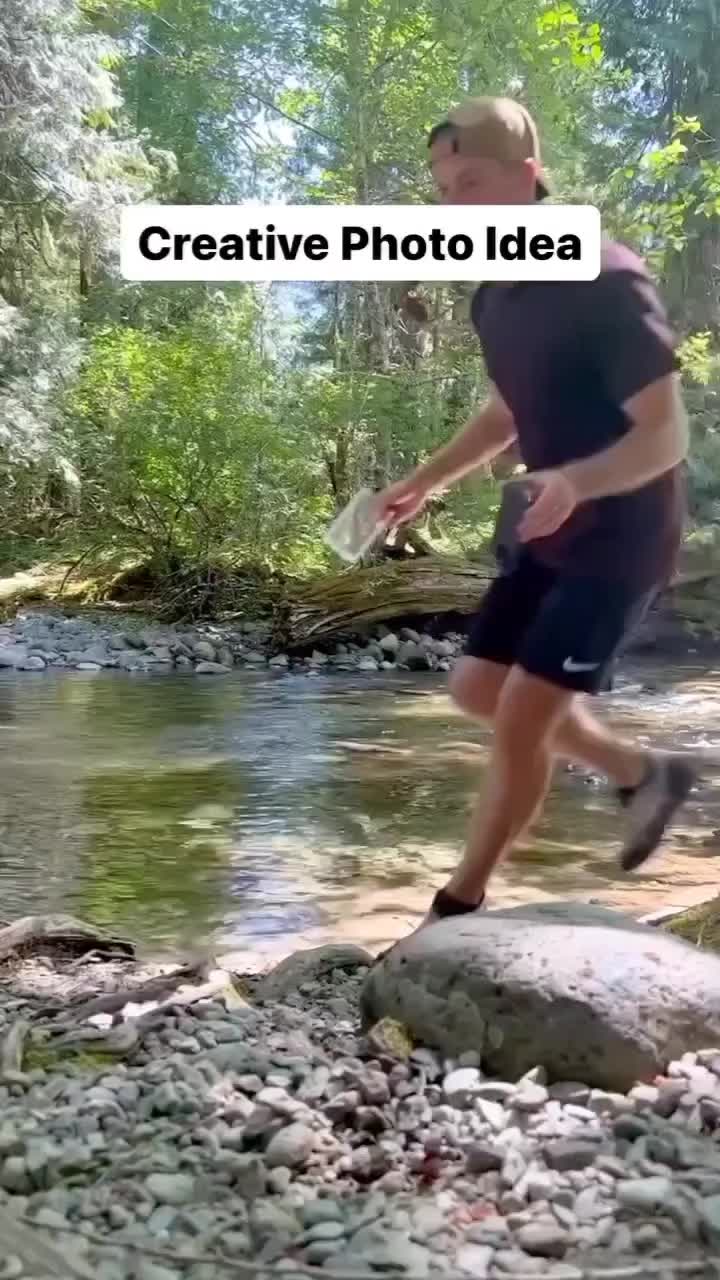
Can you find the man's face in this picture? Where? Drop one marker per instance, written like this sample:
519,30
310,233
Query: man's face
479,179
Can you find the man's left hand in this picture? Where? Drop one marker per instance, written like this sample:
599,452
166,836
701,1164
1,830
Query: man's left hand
554,500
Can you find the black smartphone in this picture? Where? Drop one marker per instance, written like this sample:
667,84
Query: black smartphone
516,498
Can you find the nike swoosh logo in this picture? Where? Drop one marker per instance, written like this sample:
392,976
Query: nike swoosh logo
571,666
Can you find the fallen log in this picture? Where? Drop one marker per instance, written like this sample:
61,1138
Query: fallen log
356,599
59,932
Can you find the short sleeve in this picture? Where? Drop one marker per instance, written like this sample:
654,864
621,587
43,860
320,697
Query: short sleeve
633,341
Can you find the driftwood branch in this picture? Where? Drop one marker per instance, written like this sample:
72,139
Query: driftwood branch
32,933
359,598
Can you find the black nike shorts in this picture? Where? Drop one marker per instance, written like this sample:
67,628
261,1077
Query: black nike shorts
560,627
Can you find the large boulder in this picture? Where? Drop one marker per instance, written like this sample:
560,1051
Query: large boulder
588,993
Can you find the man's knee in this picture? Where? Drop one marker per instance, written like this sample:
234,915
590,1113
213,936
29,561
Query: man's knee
475,686
528,713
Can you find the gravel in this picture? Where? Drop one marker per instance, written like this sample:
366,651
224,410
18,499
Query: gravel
280,1132
48,639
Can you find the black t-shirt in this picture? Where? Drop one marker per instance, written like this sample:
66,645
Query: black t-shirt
565,357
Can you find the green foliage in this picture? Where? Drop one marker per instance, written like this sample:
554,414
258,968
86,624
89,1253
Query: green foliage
191,424
187,453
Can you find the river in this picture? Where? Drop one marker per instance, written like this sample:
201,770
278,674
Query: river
254,813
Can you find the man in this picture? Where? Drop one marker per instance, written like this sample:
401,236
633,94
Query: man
584,378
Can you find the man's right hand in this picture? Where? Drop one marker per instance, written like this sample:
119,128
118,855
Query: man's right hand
401,502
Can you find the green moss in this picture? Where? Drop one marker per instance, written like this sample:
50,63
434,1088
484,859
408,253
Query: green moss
699,925
46,1057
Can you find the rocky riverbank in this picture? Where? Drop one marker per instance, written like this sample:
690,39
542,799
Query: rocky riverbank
51,639
206,1120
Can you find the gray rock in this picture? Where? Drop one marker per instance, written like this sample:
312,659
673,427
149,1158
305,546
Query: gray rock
374,1088
443,648
413,657
270,1221
710,1220
95,653
388,1250
14,1175
88,666
483,1158
646,1236
644,1195
530,1097
314,1086
249,1176
147,1269
12,655
211,669
645,1096
33,663
321,1210
327,1230
204,651
488,980
291,1147
390,644
309,966
171,1188
543,1241
570,1154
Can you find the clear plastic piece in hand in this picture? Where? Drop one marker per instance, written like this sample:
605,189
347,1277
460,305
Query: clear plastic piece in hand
357,527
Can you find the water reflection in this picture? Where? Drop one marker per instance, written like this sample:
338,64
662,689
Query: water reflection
179,809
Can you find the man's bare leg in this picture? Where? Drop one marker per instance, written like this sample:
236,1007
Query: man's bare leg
534,723
476,686
527,716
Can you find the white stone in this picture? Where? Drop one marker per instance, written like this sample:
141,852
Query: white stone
475,1259
460,1086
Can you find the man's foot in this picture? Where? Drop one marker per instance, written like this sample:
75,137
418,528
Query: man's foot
651,805
445,905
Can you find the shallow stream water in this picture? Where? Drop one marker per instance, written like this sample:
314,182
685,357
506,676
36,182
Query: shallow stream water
255,812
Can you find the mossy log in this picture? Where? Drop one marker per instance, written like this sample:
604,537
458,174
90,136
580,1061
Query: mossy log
356,599
699,925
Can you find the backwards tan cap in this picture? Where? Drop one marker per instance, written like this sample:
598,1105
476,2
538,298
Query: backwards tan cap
496,128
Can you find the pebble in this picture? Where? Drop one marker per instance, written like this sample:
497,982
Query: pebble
710,1220
460,1086
530,1097
567,1154
644,1194
171,1188
483,1158
475,1259
281,1139
543,1240
291,1147
321,1210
